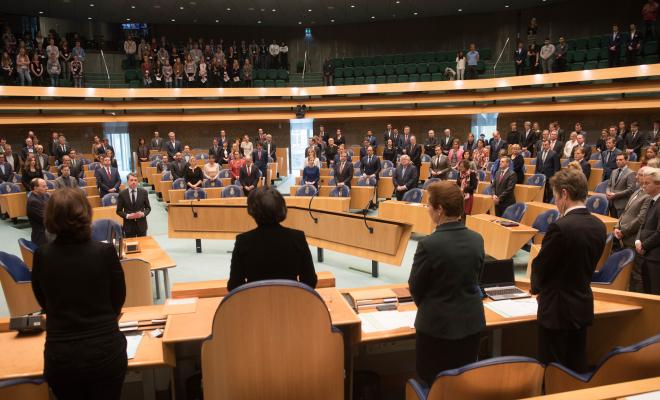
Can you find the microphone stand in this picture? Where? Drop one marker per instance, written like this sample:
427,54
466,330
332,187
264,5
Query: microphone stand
309,208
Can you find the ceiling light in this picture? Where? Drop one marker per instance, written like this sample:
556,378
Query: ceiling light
506,6
173,20
181,8
415,13
228,9
332,20
273,10
373,17
41,12
460,9
91,4
309,9
258,22
128,19
217,21
299,22
89,18
352,5
132,6
398,2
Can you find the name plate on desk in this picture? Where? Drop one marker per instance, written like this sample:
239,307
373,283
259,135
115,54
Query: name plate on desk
131,247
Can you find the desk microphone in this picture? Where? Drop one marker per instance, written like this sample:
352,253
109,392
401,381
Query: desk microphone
309,208
193,209
364,218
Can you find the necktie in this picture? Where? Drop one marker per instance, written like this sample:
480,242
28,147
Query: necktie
369,160
133,197
501,176
62,146
545,153
341,168
618,175
108,171
607,157
67,182
248,171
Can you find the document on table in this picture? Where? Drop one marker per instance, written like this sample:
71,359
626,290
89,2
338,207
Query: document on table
513,308
645,396
132,344
387,320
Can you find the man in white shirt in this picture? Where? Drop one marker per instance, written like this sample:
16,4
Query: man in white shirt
130,48
547,56
274,51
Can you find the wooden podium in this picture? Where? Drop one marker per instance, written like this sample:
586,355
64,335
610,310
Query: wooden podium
375,239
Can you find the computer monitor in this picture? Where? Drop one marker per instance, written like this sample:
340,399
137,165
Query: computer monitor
497,273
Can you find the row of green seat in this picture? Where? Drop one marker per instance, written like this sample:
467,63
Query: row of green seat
400,69
579,66
369,80
595,54
593,42
261,74
389,59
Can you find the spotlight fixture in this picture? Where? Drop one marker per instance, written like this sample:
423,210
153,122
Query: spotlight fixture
301,109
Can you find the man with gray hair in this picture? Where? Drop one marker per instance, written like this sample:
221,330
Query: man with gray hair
405,177
647,244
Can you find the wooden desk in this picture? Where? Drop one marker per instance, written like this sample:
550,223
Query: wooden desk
595,178
535,208
108,212
500,242
522,193
176,195
360,195
158,258
424,170
416,214
337,204
483,204
385,187
619,391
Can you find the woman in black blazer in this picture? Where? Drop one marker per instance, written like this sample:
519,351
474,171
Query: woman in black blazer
79,284
390,152
444,285
270,251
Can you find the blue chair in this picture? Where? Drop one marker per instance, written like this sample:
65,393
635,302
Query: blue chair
179,183
202,156
597,204
16,281
51,185
49,176
340,191
602,187
322,158
482,175
564,162
632,157
332,172
533,161
357,164
413,195
27,251
194,194
8,187
429,182
387,164
357,172
167,176
515,212
224,173
595,156
208,183
94,166
24,388
232,191
366,181
463,383
154,162
82,182
542,223
526,154
452,175
16,179
425,158
387,172
109,199
102,230
622,364
536,180
155,157
306,190
488,190
350,153
615,273
332,182
598,164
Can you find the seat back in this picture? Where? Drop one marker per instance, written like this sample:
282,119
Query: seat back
413,195
340,191
290,322
598,164
137,275
488,190
102,229
602,187
194,194
367,181
606,252
8,187
212,183
515,212
452,175
387,172
179,183
613,269
543,221
81,182
387,164
224,173
425,158
598,204
109,199
232,191
27,251
24,388
482,175
49,176
306,190
536,180
622,364
429,182
16,282
495,378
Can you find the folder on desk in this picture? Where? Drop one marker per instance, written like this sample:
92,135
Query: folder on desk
364,299
403,295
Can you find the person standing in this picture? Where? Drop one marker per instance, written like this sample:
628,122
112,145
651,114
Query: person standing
620,186
444,285
79,283
614,41
547,55
561,274
547,163
460,66
107,178
647,244
133,206
503,187
519,57
36,204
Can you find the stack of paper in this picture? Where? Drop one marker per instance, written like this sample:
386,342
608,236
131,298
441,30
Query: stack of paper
387,320
132,343
513,308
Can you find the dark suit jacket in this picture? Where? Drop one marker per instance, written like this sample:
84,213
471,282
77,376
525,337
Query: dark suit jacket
25,152
415,153
106,183
518,168
529,140
273,151
561,273
124,206
635,142
495,148
633,41
520,55
173,149
558,148
249,180
216,152
551,164
345,175
8,173
261,164
178,169
587,151
156,144
59,153
504,189
339,140
445,143
35,211
444,282
649,233
610,164
372,168
614,41
409,180
439,164
586,168
81,287
283,254
513,137
45,159
77,169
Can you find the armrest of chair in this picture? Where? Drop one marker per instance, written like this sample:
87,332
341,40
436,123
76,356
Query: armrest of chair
416,390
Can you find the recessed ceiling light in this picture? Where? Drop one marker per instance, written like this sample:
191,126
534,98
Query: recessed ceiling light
258,22
41,12
415,13
132,6
332,20
460,9
309,9
173,20
299,22
352,5
91,4
506,6
373,17
128,19
228,9
274,10
89,18
181,8
217,21
398,2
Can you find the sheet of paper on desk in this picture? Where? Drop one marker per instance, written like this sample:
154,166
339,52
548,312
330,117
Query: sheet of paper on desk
180,306
387,320
132,344
513,308
645,396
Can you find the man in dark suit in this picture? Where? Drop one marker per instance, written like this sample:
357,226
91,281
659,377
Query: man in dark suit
372,139
133,206
248,176
6,170
323,134
556,145
12,158
388,134
430,143
52,145
613,47
608,157
107,178
178,167
561,274
519,58
156,142
405,177
61,149
503,187
339,138
538,146
371,164
586,149
633,43
547,163
647,244
28,149
43,161
620,186
216,149
172,146
260,159
496,144
270,147
513,137
76,165
528,138
439,167
343,171
36,203
414,150
635,140
446,141
66,180
584,164
330,152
